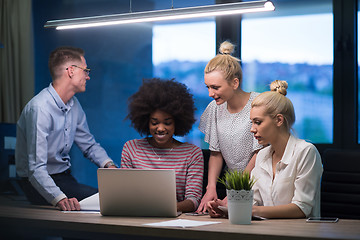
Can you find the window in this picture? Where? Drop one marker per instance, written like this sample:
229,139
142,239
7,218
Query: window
296,47
181,51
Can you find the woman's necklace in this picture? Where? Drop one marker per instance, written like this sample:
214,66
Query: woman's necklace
159,158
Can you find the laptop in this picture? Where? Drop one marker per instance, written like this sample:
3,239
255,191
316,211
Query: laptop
137,192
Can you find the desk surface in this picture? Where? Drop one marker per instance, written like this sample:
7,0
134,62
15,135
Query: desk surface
49,221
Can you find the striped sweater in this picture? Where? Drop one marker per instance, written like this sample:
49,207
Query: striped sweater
186,159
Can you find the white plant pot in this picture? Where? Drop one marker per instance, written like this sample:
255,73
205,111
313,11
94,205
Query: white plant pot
240,206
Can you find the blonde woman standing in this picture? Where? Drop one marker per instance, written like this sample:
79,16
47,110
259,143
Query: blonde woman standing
226,120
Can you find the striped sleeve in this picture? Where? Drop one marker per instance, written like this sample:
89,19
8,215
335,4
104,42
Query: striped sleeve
126,154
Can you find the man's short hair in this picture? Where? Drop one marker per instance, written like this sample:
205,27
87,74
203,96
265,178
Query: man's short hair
62,55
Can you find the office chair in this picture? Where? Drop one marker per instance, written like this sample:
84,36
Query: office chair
340,185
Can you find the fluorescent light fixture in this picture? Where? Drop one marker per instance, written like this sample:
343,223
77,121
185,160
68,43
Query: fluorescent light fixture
162,15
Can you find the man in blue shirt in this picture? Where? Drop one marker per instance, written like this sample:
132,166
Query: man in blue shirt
46,130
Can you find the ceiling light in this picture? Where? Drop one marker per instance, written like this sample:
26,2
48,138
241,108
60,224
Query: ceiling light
161,15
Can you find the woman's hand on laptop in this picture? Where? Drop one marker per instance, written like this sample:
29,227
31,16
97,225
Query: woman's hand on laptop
68,204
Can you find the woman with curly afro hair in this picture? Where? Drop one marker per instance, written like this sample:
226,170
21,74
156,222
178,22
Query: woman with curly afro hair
159,110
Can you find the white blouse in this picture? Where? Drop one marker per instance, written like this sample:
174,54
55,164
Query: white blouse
229,133
297,177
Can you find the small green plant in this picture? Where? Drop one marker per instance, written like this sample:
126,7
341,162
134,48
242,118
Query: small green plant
237,180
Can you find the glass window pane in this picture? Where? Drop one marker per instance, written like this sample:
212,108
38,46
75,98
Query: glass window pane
181,51
297,46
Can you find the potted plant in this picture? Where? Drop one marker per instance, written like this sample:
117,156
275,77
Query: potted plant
239,192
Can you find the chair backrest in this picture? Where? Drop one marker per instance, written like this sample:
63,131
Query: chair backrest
340,185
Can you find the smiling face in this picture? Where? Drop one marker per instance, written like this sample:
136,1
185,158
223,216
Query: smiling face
162,128
219,88
264,127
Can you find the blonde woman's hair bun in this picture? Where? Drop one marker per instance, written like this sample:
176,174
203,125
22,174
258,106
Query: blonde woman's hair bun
226,48
279,86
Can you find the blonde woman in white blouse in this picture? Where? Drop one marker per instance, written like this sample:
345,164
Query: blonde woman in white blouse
288,171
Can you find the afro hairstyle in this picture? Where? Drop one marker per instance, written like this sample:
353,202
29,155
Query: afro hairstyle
168,96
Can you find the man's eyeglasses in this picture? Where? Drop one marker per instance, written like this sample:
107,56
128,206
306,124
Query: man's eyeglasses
86,70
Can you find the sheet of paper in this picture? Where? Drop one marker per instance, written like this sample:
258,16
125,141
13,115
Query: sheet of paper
183,223
82,211
91,203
